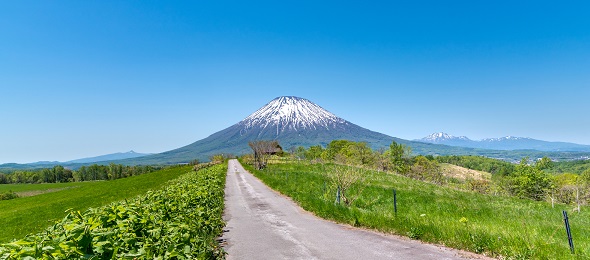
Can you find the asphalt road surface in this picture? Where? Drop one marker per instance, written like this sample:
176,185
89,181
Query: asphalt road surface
263,224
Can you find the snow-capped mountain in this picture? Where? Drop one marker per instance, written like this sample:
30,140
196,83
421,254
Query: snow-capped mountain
504,139
293,121
441,137
504,143
284,114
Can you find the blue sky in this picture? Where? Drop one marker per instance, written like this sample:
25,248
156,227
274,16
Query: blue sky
85,78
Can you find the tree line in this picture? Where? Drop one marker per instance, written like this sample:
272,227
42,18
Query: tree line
59,174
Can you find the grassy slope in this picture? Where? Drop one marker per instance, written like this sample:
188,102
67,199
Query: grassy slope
497,226
462,173
23,216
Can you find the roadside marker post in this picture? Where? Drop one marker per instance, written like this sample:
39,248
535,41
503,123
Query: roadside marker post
395,202
338,195
569,231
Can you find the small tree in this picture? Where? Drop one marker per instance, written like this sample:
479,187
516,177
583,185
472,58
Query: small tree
194,162
382,161
565,187
344,177
314,152
399,155
3,179
425,169
217,158
358,153
263,149
544,163
528,182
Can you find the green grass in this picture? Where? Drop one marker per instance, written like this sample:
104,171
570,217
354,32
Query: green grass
492,225
22,216
37,187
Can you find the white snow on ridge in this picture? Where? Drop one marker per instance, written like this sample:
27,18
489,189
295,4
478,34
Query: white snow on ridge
506,138
443,137
291,113
440,137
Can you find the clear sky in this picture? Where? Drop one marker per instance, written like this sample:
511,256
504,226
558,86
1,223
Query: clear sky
86,78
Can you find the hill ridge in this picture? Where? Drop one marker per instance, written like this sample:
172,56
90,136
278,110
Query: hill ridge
504,143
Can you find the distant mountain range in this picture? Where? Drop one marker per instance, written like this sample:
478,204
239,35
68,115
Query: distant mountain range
109,157
295,121
89,160
504,143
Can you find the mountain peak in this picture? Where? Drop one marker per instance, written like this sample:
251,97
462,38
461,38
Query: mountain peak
442,137
504,143
291,113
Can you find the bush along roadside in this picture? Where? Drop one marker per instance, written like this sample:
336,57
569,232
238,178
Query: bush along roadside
181,221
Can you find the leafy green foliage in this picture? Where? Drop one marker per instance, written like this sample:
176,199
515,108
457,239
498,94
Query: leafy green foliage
314,152
181,221
528,181
577,166
544,163
399,157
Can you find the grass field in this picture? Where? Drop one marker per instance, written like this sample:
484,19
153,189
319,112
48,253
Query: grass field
38,187
22,216
492,225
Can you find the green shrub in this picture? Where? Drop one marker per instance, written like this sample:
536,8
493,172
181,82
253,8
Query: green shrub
8,195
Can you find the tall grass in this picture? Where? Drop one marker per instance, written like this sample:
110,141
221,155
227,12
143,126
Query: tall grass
22,216
496,226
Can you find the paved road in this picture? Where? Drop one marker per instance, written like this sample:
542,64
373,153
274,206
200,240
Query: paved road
262,224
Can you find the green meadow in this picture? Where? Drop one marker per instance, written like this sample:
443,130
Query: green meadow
41,187
32,214
497,226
